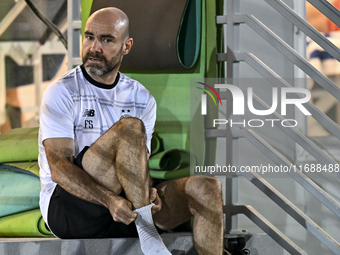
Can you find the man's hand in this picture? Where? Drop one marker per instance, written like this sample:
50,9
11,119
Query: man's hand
121,210
154,198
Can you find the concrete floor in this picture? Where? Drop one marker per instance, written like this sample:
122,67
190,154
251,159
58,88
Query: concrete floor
177,243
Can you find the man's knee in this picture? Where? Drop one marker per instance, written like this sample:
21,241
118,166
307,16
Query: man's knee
132,125
204,196
205,187
127,127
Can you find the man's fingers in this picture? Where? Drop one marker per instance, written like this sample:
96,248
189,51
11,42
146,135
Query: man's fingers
153,194
122,211
131,215
124,220
127,220
125,216
158,205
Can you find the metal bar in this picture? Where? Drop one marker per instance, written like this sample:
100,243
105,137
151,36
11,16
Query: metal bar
221,19
70,38
30,109
73,33
11,15
76,24
293,211
269,228
209,133
77,61
232,44
327,9
38,78
302,24
290,53
299,177
3,115
269,74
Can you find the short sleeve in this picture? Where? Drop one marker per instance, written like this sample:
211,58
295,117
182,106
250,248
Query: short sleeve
56,113
149,119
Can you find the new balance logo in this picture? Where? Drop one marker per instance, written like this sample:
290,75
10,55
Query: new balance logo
88,113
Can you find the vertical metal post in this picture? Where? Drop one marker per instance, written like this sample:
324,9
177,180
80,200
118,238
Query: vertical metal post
2,89
38,78
300,77
233,34
232,45
73,33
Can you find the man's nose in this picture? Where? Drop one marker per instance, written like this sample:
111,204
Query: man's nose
96,45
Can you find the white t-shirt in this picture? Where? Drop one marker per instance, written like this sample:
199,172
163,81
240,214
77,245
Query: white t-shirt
75,106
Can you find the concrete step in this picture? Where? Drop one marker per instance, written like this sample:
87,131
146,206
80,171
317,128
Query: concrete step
177,243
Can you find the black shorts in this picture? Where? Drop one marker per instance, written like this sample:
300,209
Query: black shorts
70,217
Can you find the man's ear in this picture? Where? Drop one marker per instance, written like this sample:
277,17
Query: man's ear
128,45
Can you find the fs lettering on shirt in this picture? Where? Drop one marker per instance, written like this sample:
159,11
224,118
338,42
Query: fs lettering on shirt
88,113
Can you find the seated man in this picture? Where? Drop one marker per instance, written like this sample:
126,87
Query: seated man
106,120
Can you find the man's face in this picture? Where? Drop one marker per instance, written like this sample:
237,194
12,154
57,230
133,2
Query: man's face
96,64
103,47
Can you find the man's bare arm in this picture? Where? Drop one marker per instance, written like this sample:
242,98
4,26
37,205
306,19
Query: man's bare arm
59,152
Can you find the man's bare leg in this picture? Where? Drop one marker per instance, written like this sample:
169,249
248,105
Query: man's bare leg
197,196
118,160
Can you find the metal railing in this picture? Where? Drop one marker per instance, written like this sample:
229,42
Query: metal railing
233,56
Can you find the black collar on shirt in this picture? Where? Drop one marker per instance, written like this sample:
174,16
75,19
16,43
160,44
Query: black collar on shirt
98,84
